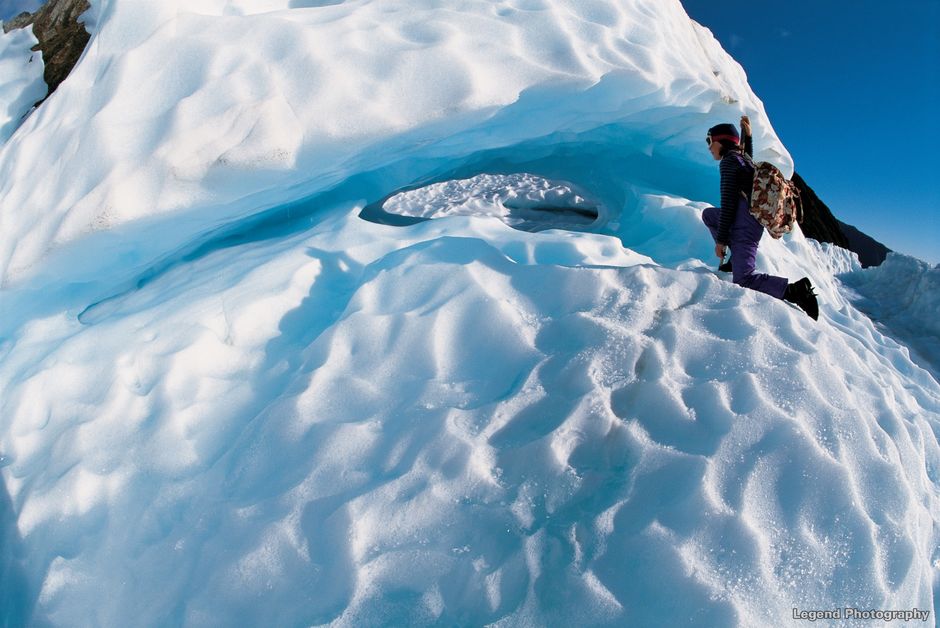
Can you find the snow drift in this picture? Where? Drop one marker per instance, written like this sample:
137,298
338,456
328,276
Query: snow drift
228,399
902,294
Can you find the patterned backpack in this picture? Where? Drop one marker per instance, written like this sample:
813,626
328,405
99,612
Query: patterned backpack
775,202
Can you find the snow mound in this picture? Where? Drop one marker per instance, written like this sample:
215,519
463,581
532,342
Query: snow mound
903,293
201,112
227,399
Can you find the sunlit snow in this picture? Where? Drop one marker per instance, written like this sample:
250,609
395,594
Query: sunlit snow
520,200
235,391
21,83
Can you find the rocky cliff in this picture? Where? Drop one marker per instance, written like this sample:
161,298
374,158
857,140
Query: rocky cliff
820,224
870,251
62,37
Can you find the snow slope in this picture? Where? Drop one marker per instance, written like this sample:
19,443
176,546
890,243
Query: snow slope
21,82
229,399
903,293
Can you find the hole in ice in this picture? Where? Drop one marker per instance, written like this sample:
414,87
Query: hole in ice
523,201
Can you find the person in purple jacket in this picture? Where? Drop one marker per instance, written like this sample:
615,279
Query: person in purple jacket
734,227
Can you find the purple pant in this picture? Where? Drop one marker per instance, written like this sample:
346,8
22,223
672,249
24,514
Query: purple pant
745,236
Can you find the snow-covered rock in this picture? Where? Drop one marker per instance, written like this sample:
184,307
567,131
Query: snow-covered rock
62,36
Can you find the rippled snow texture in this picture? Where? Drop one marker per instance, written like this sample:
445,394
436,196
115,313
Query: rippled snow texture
226,399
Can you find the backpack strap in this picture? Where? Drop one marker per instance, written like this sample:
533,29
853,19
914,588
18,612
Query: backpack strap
745,163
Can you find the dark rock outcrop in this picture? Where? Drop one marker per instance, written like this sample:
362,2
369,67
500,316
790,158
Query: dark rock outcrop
62,38
870,251
22,20
819,224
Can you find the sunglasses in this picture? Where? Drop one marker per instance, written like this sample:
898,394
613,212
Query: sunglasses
709,139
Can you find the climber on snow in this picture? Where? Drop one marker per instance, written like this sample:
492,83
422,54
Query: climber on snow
732,226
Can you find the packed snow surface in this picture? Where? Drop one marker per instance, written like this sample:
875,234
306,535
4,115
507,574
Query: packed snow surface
226,398
21,82
521,200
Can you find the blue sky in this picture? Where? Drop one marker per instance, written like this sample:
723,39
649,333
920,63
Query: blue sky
12,8
853,90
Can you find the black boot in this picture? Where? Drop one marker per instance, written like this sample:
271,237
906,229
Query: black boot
801,293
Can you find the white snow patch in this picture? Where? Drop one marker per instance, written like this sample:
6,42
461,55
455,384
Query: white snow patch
21,81
521,200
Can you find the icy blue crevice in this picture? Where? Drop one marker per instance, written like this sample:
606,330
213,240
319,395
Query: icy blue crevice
603,161
17,596
610,160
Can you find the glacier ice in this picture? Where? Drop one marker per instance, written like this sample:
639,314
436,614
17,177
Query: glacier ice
227,399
